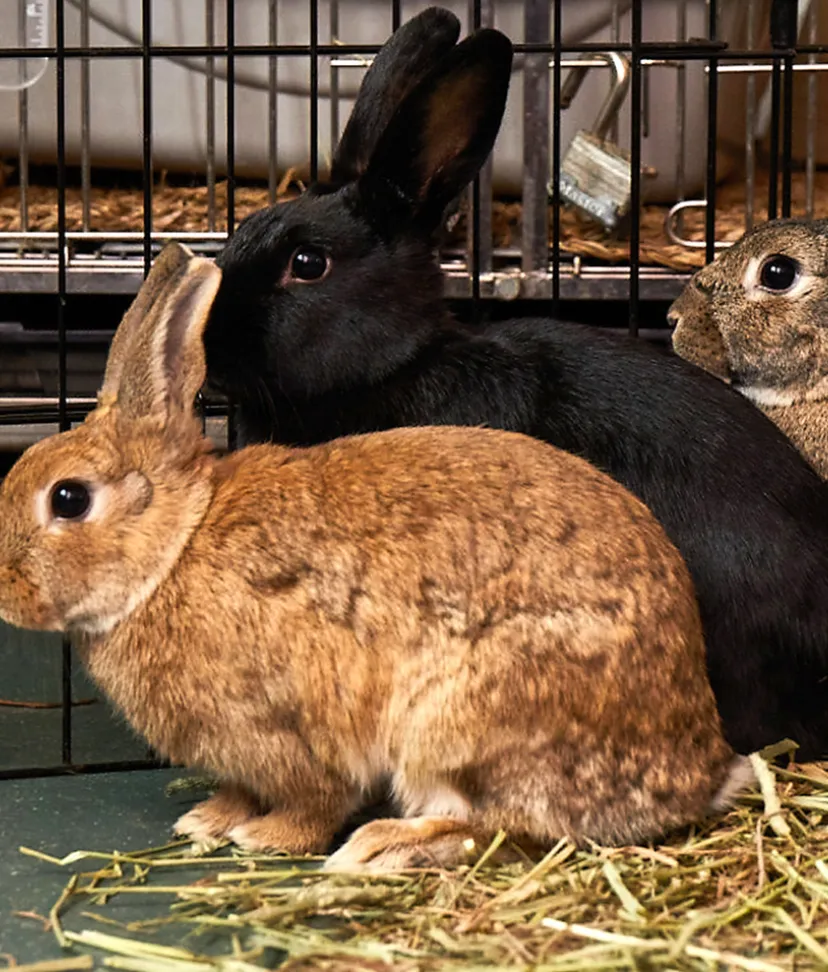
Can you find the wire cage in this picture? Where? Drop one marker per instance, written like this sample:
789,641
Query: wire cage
122,128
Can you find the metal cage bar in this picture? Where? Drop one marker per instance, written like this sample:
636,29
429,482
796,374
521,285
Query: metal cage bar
537,23
86,120
750,129
230,9
23,122
63,416
557,55
681,100
773,168
314,92
334,76
272,103
787,40
210,112
666,50
479,237
146,135
811,119
636,32
712,124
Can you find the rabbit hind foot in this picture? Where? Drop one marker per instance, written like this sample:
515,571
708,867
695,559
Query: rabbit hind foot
412,842
296,833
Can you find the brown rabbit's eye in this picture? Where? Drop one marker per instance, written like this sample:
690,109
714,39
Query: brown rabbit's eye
70,499
309,263
779,273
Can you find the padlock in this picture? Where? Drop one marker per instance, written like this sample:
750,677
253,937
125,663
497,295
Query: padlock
596,175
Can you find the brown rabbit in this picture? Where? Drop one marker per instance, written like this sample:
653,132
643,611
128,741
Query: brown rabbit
492,627
757,317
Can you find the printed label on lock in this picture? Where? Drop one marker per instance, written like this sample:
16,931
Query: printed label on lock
602,208
597,178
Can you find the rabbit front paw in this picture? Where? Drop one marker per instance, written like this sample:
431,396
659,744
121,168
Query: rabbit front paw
210,822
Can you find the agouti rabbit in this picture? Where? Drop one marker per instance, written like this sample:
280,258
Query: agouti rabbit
757,317
495,627
330,320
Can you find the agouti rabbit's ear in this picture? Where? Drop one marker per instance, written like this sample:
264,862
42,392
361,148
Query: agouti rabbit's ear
168,267
159,363
404,59
441,134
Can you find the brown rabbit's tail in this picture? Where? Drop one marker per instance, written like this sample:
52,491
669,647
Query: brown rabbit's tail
739,777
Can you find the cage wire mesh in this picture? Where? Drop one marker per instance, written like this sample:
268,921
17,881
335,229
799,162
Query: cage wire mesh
158,120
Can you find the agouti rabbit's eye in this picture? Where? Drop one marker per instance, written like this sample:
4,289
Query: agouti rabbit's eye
779,273
309,263
70,499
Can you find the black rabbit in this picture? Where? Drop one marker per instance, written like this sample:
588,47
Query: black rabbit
330,320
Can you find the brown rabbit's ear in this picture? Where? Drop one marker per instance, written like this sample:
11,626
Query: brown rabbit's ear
403,60
164,365
170,263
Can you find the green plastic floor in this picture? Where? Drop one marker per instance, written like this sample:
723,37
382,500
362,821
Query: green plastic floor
58,815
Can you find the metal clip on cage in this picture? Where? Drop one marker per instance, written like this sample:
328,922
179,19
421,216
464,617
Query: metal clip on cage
595,173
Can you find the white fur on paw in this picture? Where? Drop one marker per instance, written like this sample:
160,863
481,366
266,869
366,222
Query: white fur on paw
348,860
242,837
194,827
356,856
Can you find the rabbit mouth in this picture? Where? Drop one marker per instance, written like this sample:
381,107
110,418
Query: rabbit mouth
28,610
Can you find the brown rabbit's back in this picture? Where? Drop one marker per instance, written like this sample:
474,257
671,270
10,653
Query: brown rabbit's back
469,508
465,599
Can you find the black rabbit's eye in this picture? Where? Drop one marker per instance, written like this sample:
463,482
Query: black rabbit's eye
779,273
70,499
309,263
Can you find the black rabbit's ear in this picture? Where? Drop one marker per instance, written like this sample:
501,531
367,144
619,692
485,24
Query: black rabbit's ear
441,134
405,58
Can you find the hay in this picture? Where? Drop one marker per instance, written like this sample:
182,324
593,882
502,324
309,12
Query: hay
57,965
176,209
185,210
731,894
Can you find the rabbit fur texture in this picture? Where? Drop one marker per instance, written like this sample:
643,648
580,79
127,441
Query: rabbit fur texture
492,628
330,320
757,317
